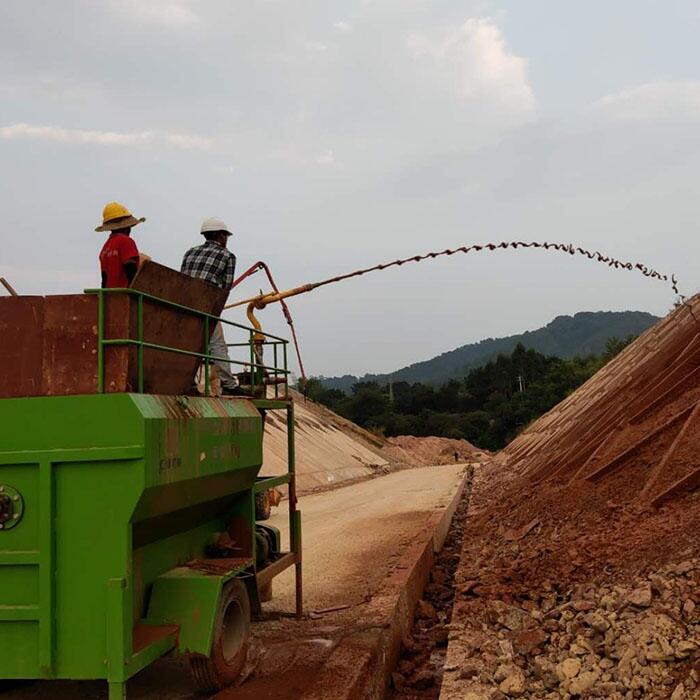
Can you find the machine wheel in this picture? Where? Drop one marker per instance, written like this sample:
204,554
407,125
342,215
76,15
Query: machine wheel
263,506
231,640
262,548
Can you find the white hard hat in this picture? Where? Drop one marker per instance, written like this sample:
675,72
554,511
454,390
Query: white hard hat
214,224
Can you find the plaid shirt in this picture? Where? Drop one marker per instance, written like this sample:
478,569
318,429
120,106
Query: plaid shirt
211,262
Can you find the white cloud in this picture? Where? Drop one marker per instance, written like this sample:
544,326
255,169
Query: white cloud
316,46
326,158
186,140
173,13
473,59
344,27
651,102
102,138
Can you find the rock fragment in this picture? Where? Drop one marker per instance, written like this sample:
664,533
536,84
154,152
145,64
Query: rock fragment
678,693
583,682
568,669
528,641
597,622
640,597
685,567
513,684
425,610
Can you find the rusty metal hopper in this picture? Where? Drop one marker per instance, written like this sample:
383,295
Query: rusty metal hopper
48,345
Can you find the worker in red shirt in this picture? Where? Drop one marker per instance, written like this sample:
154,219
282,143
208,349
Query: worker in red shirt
119,257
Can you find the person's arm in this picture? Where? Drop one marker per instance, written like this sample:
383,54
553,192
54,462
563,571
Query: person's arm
129,257
230,272
131,267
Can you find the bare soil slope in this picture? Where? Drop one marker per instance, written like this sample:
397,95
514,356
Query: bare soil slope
432,450
580,571
331,450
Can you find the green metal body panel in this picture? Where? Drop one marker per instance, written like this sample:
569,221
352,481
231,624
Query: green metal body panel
190,599
118,490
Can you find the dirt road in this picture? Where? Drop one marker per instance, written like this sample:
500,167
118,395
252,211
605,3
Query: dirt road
353,534
352,538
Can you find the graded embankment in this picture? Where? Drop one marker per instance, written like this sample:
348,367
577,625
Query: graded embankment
580,570
331,450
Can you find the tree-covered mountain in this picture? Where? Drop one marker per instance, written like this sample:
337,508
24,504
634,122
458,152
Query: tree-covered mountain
585,333
488,407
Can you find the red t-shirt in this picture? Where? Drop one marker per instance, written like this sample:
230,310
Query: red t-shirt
118,249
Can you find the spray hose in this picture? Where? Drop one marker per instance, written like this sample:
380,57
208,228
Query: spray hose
285,309
263,299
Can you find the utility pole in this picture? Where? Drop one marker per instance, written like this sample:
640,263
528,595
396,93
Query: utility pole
391,393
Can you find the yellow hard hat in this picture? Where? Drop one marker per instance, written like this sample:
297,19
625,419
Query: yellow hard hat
116,216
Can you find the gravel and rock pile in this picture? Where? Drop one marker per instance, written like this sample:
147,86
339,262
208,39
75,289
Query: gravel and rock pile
574,591
617,641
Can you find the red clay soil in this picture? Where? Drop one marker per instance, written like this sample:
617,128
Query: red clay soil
572,533
596,499
540,565
635,417
547,522
430,451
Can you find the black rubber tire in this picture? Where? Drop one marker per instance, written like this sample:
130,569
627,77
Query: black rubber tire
263,507
262,549
231,641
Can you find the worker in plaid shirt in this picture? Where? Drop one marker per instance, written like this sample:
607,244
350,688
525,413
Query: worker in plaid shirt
214,262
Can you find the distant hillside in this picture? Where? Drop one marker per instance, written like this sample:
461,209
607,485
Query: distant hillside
566,336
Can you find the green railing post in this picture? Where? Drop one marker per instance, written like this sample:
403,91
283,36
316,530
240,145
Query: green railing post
206,353
256,361
274,364
294,515
139,326
250,355
286,373
100,342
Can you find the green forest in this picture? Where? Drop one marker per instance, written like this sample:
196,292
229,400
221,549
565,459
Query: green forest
488,407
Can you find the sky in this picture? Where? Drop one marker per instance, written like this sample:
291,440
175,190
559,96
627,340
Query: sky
336,135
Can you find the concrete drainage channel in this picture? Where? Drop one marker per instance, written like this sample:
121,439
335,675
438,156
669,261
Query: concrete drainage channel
405,633
419,671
